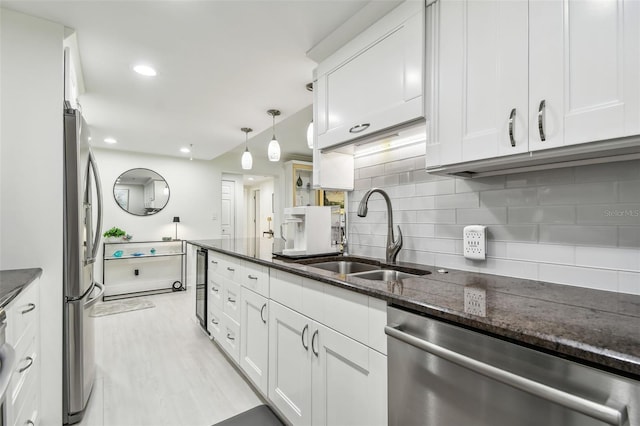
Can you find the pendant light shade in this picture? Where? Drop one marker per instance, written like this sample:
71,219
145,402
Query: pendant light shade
273,151
247,159
310,135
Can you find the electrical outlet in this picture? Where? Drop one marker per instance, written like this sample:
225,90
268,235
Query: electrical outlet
475,242
475,301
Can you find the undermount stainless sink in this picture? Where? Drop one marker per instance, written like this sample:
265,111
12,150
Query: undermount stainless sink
345,266
387,275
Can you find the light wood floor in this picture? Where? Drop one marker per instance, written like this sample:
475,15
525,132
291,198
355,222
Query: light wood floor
156,367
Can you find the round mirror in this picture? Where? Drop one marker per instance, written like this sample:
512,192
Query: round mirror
141,192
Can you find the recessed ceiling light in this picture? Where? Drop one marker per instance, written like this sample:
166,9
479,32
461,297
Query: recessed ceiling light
250,178
185,150
145,70
110,140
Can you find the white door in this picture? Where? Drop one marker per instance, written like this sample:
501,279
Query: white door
349,381
254,339
290,363
481,51
585,66
228,209
256,214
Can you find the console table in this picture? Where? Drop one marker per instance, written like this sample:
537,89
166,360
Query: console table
139,268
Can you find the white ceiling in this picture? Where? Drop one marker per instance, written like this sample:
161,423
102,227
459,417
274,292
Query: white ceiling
221,65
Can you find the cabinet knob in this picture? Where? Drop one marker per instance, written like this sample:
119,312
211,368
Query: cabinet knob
359,128
512,125
541,120
30,307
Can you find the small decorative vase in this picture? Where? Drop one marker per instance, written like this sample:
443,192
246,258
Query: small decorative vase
299,181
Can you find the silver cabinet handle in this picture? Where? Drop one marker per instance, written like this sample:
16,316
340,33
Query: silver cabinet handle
304,330
214,322
604,413
230,269
30,307
261,311
512,119
215,289
251,277
541,109
359,128
30,423
231,300
313,340
214,262
26,367
230,337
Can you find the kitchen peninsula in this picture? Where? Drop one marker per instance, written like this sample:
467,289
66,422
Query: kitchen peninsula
597,328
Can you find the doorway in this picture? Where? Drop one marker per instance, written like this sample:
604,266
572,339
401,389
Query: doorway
228,210
258,192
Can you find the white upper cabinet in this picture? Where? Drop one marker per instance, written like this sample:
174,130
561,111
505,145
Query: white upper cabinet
584,66
512,79
374,82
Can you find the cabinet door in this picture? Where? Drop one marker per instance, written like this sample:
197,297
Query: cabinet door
290,363
584,65
231,300
480,80
349,381
375,81
215,290
254,339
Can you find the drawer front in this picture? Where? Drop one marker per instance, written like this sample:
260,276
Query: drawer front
230,340
225,266
215,262
214,322
25,369
256,278
231,300
24,313
215,291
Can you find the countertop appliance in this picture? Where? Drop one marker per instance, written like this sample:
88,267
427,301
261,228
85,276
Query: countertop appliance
310,231
442,375
81,244
201,288
7,365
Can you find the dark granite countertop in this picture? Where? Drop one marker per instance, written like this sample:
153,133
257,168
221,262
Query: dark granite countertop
13,281
594,327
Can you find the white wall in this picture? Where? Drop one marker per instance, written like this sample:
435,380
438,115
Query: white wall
194,196
31,174
577,225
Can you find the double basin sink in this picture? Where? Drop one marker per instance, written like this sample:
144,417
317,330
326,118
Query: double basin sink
368,271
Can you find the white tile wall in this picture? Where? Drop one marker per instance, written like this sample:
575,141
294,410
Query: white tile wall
578,226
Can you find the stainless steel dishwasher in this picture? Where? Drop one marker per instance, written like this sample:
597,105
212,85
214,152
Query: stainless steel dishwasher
445,375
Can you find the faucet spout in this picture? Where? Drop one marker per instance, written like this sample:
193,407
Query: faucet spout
393,245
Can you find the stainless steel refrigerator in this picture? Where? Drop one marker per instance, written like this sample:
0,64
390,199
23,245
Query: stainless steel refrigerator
82,207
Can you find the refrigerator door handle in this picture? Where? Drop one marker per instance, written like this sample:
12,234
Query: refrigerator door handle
89,303
96,235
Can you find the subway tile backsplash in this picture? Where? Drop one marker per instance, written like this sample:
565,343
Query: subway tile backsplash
577,226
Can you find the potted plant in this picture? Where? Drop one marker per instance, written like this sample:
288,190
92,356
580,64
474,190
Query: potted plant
114,235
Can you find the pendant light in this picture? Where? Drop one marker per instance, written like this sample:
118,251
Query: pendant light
273,152
310,127
247,159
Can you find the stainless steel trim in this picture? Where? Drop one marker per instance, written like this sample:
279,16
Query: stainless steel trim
251,277
604,413
90,302
512,118
28,366
359,128
541,120
313,339
261,311
304,330
8,361
31,307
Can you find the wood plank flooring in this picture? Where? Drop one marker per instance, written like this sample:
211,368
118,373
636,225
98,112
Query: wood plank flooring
156,367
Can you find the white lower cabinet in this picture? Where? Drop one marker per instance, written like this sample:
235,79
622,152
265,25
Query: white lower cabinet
254,339
23,333
318,376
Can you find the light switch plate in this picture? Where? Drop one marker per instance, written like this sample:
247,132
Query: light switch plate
475,242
